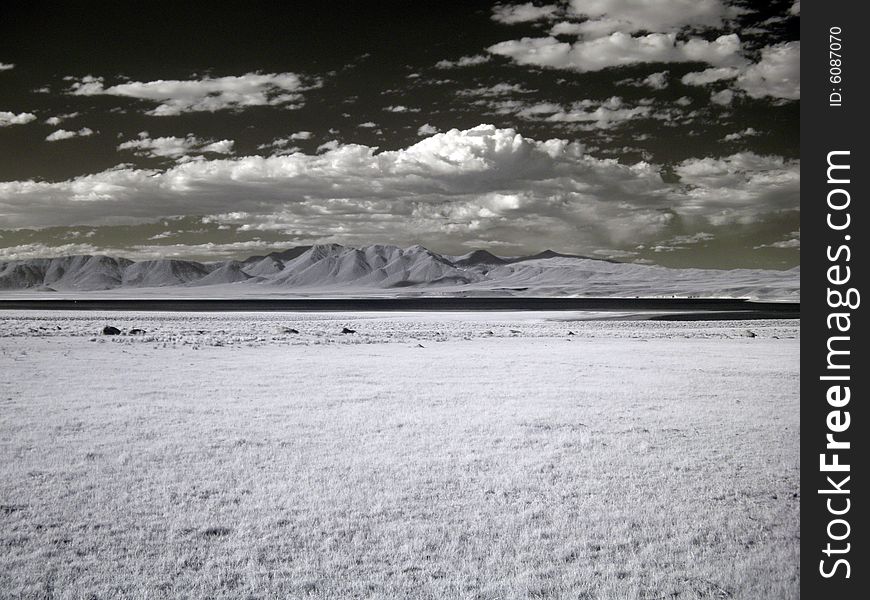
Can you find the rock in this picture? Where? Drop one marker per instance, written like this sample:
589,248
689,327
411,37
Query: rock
346,330
571,333
750,334
289,330
109,330
137,331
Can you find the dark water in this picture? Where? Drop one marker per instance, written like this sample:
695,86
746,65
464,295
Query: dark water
673,308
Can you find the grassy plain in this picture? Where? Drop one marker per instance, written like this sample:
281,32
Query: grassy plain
441,457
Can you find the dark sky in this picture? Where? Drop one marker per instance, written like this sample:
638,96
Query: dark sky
666,135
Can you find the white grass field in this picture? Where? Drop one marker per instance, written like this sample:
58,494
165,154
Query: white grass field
435,456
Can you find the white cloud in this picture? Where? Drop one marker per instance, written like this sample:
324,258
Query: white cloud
482,183
795,8
724,189
510,14
57,119
10,118
63,134
722,98
739,135
400,108
174,147
777,74
368,125
6,66
682,242
657,81
38,250
498,89
427,130
588,29
174,97
219,147
328,146
710,75
283,143
211,250
465,61
793,241
585,114
619,49
629,16
605,115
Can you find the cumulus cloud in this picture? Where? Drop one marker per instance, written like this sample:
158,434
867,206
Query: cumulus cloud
606,115
607,16
219,147
6,66
57,119
657,81
722,98
174,147
282,145
510,14
427,130
620,49
10,118
400,108
708,76
464,61
739,135
724,188
174,97
63,134
483,183
777,74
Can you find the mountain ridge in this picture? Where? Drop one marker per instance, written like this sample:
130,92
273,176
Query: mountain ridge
383,269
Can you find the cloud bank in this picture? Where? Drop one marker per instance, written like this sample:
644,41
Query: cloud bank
484,184
619,49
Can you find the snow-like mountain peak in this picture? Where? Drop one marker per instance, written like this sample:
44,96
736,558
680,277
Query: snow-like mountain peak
381,269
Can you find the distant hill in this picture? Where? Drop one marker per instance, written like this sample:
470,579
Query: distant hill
333,269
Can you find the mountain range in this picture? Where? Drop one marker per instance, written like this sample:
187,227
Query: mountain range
378,270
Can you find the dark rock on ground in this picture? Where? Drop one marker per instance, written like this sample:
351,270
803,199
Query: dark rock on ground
109,330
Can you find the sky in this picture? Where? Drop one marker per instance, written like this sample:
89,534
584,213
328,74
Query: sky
652,131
